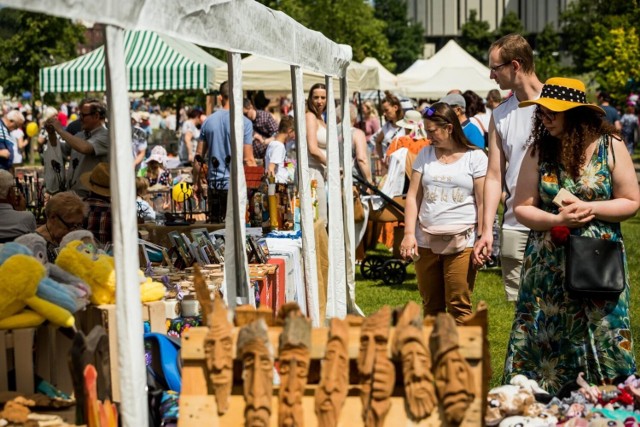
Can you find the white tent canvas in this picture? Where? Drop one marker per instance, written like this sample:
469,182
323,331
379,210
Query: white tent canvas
450,68
388,80
260,73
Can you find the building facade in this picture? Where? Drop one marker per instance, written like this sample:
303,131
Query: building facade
442,19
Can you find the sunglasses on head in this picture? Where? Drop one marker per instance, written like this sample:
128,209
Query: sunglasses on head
432,112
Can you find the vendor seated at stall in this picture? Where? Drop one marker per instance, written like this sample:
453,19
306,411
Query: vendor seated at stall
14,219
99,219
65,212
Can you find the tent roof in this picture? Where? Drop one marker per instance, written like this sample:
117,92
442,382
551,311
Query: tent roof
260,73
450,68
388,80
154,62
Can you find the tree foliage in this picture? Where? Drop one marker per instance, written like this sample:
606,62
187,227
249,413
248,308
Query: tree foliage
476,37
615,56
584,20
29,41
510,24
405,37
547,48
350,22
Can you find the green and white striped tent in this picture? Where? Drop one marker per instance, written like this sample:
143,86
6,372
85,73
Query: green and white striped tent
154,62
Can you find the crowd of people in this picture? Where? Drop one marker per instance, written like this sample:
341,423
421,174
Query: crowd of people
467,156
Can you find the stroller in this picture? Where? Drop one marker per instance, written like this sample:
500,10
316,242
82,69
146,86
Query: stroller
373,267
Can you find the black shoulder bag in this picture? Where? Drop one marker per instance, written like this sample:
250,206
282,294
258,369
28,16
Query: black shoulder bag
594,268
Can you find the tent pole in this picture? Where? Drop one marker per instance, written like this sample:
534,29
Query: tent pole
239,290
306,210
336,283
130,357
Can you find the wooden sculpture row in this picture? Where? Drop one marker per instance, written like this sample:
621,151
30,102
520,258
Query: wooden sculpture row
431,373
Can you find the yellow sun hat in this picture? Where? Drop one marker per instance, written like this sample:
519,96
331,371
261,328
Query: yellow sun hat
562,94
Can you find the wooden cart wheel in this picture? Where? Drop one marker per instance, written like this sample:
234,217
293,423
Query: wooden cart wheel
394,271
370,268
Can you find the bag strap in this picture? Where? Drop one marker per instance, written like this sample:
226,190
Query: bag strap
480,123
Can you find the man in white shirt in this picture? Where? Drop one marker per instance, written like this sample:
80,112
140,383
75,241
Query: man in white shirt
512,67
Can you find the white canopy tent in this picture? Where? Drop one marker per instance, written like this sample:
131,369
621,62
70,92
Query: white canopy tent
450,68
388,80
236,26
270,75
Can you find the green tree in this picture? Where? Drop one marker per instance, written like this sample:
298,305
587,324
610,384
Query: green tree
547,48
584,20
615,57
475,36
30,41
350,22
404,36
510,24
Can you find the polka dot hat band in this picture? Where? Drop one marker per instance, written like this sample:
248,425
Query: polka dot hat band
562,94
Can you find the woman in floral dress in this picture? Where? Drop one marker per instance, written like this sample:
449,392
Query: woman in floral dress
555,337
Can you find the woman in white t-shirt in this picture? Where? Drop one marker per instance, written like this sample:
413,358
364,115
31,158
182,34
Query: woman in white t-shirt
445,198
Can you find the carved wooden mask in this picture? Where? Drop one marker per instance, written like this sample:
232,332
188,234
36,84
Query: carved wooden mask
334,378
257,373
453,377
295,343
409,346
377,373
218,355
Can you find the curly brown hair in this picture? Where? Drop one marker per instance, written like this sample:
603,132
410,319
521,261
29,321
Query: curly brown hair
581,126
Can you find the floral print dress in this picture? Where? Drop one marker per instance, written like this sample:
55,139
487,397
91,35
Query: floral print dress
555,337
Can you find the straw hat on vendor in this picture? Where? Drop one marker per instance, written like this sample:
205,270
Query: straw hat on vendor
97,181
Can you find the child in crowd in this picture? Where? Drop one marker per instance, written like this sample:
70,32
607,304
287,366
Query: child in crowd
145,211
276,151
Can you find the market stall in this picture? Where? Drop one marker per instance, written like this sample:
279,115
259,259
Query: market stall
237,26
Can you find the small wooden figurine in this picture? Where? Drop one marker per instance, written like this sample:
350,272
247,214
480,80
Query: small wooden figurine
218,354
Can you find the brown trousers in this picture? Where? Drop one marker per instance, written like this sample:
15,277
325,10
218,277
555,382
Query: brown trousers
446,282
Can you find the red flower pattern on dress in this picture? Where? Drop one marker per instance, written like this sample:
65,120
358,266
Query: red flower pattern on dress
560,235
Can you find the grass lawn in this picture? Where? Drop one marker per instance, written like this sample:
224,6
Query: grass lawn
371,295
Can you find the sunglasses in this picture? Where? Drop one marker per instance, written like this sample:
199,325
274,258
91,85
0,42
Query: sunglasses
549,115
81,114
70,227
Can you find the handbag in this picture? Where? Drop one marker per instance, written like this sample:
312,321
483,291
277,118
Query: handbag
358,209
594,268
448,239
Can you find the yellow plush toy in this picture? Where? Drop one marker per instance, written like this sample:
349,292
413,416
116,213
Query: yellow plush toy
19,278
98,271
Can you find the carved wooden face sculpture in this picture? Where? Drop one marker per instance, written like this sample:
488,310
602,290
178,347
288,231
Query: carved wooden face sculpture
420,397
257,373
218,350
218,356
295,341
377,373
294,368
410,348
453,382
334,379
453,377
